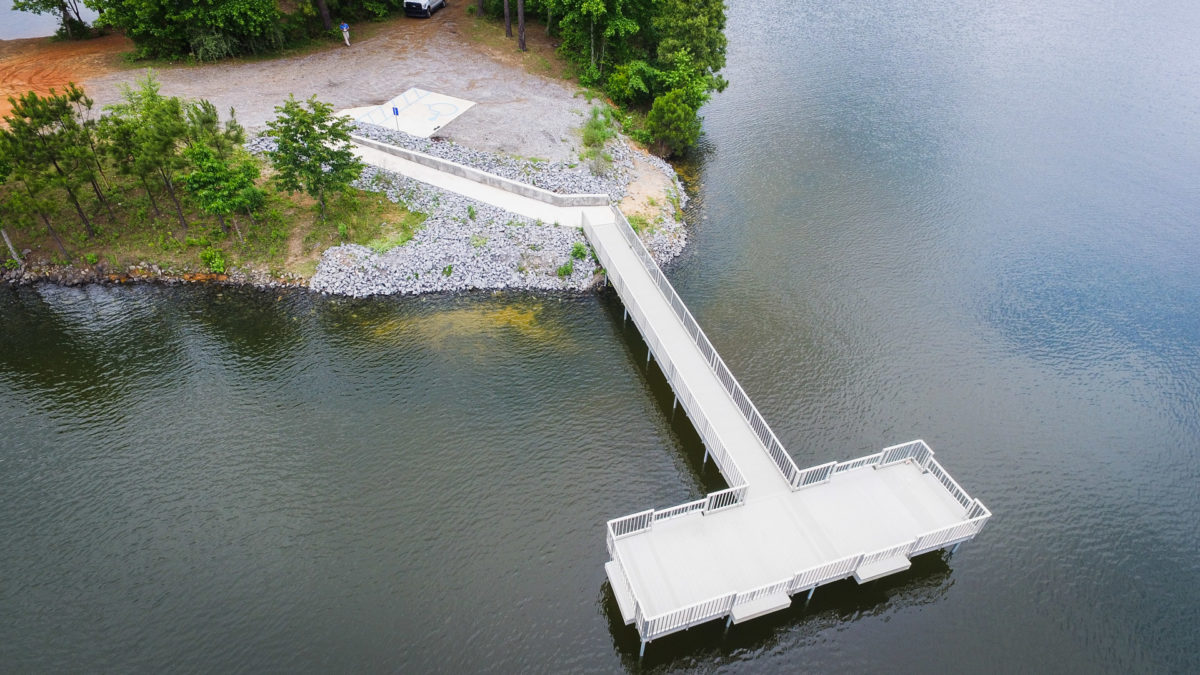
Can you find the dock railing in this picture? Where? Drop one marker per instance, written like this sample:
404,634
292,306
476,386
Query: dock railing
782,460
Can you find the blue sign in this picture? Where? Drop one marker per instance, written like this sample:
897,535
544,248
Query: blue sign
395,111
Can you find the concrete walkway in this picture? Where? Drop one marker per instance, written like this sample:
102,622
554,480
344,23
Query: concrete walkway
518,204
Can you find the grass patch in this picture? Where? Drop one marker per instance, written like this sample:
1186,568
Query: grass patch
567,269
478,241
640,224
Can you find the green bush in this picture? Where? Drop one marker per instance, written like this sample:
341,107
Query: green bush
471,211
598,129
91,258
578,250
673,123
214,259
566,269
447,270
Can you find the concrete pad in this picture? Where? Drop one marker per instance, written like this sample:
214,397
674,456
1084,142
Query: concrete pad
420,113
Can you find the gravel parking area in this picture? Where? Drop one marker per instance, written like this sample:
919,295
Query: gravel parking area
516,112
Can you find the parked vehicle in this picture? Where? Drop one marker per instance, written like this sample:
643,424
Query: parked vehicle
423,8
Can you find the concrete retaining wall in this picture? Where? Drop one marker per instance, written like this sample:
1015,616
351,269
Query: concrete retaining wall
470,173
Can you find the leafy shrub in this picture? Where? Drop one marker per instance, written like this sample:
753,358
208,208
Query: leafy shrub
566,269
471,211
91,258
632,82
578,250
214,259
598,129
447,270
673,123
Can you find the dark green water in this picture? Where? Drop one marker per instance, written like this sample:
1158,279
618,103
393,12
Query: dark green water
973,225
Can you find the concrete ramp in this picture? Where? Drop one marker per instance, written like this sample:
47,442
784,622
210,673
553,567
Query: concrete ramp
417,112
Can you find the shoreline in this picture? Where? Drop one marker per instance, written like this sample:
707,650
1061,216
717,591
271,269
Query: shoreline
442,241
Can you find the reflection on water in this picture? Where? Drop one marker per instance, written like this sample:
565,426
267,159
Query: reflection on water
831,607
471,330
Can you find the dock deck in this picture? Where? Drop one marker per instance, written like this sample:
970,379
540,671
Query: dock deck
776,530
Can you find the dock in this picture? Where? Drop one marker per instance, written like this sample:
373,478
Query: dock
777,531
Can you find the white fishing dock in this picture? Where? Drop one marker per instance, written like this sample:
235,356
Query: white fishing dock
777,530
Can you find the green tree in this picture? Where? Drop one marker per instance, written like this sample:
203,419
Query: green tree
206,29
221,187
71,22
43,142
673,123
313,152
204,127
158,129
118,140
27,199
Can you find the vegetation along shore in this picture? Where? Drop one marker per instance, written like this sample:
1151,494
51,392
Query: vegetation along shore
147,180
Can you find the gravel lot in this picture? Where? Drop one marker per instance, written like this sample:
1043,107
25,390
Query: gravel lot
516,112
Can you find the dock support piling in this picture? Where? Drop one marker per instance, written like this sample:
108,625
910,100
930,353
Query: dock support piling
624,315
954,548
810,592
642,651
705,460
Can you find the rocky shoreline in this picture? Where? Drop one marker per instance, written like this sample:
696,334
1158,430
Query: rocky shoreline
462,245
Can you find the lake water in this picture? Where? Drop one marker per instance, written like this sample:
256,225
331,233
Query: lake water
14,24
971,224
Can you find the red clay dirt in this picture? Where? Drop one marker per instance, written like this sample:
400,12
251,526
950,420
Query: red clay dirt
38,64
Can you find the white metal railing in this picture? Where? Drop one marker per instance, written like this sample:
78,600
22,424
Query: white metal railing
763,591
680,619
782,460
850,465
823,574
815,475
885,553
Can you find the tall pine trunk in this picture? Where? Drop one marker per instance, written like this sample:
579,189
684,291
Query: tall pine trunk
323,10
479,9
174,198
153,201
100,196
49,227
87,224
521,25
507,21
66,20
